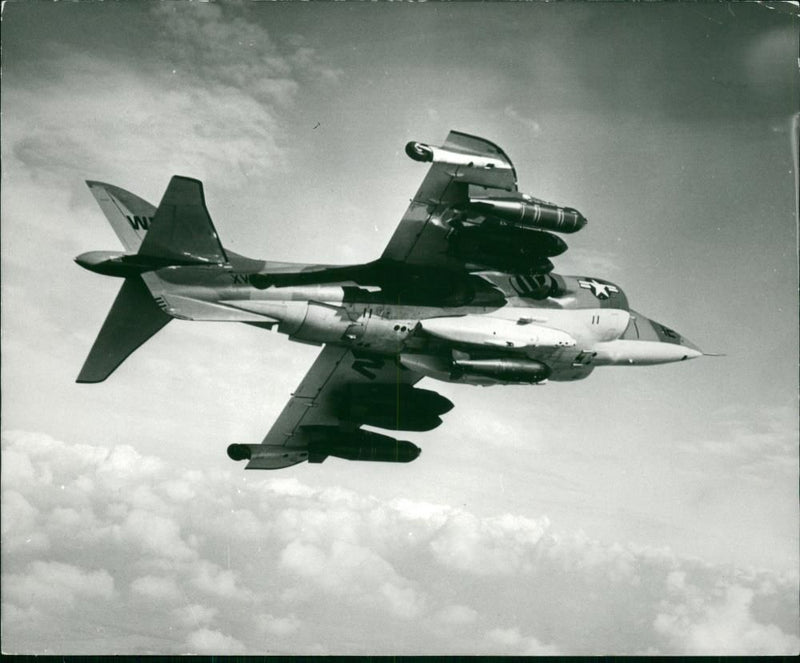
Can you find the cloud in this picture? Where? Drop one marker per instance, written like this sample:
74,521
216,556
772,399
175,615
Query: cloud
456,615
57,583
205,99
488,546
156,588
204,129
195,615
528,122
265,563
722,625
278,626
220,44
755,448
511,639
208,641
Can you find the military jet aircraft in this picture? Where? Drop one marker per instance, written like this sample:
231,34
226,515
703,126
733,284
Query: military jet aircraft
464,292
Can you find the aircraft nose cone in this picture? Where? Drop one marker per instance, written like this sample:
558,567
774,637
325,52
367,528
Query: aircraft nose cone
692,351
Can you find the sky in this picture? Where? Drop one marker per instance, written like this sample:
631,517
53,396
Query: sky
643,510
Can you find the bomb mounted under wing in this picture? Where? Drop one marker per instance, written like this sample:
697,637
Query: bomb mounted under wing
464,292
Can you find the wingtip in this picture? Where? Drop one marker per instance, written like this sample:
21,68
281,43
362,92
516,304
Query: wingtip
80,380
186,178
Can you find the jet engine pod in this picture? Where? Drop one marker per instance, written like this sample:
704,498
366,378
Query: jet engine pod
531,213
506,370
327,441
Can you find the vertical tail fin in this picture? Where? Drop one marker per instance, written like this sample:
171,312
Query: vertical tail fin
182,230
179,232
129,215
133,319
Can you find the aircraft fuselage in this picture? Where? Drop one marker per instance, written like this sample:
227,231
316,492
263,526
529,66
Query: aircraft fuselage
463,292
555,327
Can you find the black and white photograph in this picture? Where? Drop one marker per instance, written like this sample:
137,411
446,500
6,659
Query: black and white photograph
515,362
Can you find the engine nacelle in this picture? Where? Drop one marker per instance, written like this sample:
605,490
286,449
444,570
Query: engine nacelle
530,213
506,370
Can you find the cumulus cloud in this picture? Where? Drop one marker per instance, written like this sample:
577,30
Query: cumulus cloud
278,626
195,615
156,588
47,581
722,624
205,99
192,127
510,638
208,641
265,563
218,43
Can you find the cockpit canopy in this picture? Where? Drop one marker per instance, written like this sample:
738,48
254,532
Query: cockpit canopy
642,328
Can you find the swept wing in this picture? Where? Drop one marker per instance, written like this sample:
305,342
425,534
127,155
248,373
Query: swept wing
466,216
340,393
462,161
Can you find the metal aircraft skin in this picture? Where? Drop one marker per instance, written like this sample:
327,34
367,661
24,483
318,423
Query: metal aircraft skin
464,292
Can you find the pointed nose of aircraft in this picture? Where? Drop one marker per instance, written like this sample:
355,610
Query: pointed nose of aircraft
681,347
692,351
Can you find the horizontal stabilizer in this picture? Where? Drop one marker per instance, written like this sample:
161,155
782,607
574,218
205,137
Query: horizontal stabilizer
128,214
181,230
133,319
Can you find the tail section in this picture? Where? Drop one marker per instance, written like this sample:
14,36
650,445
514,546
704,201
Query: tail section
129,215
179,232
133,319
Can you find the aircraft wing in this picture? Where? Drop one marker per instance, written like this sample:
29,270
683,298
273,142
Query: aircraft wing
468,216
422,236
340,393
